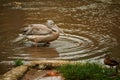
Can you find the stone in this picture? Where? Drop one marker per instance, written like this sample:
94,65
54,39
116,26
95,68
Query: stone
15,73
50,78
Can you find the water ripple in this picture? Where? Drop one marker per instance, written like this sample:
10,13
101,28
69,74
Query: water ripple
79,47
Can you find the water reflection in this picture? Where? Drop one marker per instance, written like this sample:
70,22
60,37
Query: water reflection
33,53
92,28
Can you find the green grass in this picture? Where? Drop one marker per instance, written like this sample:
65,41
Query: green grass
18,62
88,71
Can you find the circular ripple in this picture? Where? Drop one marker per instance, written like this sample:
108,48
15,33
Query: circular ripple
74,47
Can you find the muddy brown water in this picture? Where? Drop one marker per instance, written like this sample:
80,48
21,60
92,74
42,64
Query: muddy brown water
92,28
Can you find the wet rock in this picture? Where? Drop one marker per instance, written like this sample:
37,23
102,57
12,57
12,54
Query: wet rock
15,73
32,74
50,78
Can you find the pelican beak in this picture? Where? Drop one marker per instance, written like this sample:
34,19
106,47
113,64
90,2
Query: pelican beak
61,31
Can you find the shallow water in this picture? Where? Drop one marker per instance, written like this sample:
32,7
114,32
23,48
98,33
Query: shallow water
92,29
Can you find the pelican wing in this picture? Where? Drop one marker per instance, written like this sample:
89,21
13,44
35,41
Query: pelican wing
38,29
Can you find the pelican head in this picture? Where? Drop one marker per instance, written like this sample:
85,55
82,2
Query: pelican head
50,23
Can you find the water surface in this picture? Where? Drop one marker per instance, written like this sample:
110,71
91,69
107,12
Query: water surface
92,28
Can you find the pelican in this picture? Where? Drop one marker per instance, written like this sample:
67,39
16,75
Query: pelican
40,33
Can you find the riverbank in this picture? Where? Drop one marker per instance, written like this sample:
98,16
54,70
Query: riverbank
42,67
60,70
